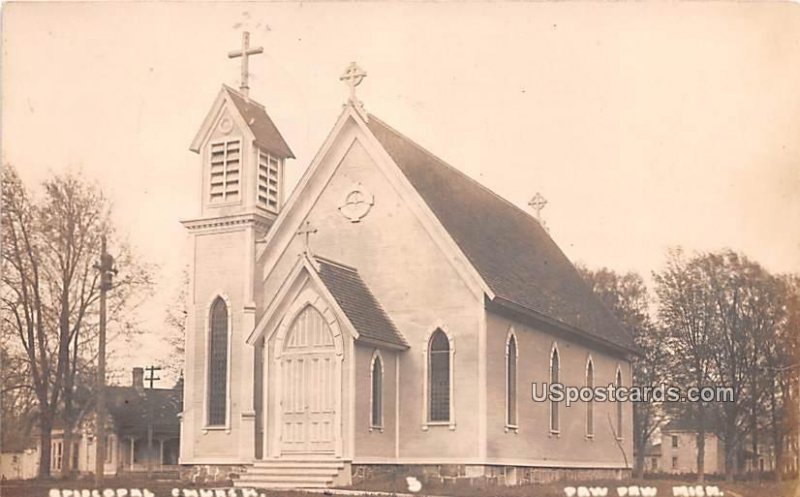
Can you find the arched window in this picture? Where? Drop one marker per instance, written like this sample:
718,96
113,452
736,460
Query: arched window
376,401
511,381
218,364
590,403
618,382
554,378
439,377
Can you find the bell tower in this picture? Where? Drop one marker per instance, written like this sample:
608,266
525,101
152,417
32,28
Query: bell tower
242,153
242,156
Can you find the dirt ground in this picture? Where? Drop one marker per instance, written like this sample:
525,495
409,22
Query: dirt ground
172,488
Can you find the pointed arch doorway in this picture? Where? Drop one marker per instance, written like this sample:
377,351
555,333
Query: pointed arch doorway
310,384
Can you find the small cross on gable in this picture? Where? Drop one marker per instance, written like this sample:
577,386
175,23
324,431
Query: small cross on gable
306,230
245,54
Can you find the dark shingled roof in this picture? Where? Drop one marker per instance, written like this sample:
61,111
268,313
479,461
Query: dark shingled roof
130,408
358,303
511,251
265,131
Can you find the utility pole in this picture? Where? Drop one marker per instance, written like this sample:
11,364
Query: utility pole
106,268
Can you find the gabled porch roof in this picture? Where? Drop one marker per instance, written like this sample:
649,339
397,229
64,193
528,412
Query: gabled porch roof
347,293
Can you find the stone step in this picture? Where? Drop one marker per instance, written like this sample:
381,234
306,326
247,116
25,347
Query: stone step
286,477
301,462
275,481
291,470
280,485
291,473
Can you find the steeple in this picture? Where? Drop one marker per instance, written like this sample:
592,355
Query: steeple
242,153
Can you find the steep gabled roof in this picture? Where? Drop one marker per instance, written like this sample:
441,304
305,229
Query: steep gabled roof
264,130
358,303
131,408
511,251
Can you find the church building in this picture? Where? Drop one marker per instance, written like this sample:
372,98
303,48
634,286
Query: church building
390,313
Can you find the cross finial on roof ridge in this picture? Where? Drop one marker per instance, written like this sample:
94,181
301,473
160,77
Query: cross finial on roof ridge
538,203
352,76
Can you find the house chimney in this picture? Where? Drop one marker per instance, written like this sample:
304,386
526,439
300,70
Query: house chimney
138,378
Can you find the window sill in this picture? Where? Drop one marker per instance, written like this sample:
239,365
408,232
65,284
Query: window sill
590,437
226,429
555,434
376,428
429,424
512,428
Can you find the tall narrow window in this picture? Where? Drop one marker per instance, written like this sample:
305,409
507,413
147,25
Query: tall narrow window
376,416
268,177
439,378
218,364
590,403
554,378
618,381
511,381
225,167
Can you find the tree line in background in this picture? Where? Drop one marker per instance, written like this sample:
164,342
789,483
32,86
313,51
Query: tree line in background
48,304
713,319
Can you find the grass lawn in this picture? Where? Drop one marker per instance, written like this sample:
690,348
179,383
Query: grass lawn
164,488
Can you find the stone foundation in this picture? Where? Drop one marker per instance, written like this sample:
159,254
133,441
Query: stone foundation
480,475
206,473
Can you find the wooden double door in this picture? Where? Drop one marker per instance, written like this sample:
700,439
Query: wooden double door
310,387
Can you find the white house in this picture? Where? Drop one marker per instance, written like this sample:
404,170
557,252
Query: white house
391,311
679,449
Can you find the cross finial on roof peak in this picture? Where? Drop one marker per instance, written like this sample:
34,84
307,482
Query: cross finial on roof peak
352,77
537,203
245,54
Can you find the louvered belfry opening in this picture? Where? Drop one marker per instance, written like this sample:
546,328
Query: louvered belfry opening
268,195
218,364
225,180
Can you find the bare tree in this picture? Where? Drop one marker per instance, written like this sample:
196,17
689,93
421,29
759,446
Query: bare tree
726,313
176,324
748,312
50,288
686,311
781,351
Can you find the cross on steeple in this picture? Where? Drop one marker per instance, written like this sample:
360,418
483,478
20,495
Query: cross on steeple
245,54
352,77
307,231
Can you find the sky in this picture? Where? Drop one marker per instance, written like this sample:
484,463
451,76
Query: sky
645,125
